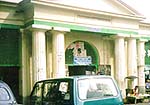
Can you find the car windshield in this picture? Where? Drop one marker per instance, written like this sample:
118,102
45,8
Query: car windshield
4,95
96,88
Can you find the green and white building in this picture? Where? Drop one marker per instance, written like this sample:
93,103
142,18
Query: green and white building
42,39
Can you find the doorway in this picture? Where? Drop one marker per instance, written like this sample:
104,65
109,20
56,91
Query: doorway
81,58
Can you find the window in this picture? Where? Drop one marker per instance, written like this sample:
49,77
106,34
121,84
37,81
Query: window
4,95
50,90
57,92
37,90
36,95
96,88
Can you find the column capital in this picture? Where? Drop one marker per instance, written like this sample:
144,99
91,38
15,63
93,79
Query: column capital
55,30
128,36
61,29
142,40
38,30
120,35
135,36
36,27
41,27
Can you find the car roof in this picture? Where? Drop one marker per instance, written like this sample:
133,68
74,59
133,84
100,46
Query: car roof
76,77
6,86
2,82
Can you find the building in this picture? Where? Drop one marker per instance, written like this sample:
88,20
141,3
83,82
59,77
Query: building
55,38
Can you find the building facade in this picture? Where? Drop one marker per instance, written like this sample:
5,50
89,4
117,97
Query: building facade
48,39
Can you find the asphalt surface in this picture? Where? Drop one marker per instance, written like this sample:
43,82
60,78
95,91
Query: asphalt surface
139,104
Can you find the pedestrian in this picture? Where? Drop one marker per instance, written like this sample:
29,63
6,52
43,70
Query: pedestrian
136,91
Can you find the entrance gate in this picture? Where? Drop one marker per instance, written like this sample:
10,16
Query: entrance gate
81,58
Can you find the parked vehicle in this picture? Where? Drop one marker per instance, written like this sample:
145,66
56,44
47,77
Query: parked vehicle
76,90
6,95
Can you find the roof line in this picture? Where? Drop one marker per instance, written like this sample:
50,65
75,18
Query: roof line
137,17
129,8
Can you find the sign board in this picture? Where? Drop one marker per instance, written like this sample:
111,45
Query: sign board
82,60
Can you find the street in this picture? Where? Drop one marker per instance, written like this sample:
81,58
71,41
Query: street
139,104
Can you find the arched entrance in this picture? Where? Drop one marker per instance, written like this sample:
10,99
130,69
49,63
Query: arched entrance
81,58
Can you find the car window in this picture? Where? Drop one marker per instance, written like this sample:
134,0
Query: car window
96,88
57,92
36,95
4,95
50,90
37,90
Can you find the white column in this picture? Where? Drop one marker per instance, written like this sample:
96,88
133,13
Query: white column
39,54
120,72
141,64
132,61
58,54
49,54
25,67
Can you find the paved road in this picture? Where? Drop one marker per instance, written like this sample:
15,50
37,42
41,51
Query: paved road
139,104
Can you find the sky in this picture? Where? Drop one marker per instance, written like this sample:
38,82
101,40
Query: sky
142,6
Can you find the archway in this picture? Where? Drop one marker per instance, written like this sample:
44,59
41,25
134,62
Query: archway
81,58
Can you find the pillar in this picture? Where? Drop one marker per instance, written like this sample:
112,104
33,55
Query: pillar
141,64
25,72
38,54
49,54
58,54
132,62
120,72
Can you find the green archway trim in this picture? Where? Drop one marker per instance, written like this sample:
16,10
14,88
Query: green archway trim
90,51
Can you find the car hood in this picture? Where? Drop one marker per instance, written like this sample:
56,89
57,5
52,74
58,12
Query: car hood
105,101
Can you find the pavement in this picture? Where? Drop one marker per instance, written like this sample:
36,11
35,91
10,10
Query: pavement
139,104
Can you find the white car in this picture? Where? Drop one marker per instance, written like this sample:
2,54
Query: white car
6,95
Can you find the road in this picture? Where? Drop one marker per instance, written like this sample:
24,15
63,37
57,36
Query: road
139,104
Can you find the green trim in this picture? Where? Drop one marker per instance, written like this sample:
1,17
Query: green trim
28,24
9,26
109,31
80,28
147,38
54,24
8,65
114,31
93,33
